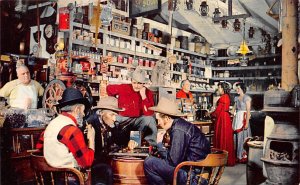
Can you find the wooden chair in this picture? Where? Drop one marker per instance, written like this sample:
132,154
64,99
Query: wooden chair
45,174
211,168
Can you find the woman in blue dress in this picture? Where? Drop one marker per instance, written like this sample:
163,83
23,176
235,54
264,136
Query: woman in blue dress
241,109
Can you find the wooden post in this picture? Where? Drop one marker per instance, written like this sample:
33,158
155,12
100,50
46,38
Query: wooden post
289,45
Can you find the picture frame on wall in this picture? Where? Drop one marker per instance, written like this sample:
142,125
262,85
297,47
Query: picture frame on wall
139,8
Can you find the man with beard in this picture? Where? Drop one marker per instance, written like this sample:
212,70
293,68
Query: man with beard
103,121
64,143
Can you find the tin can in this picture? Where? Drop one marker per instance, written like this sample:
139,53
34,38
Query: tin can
120,59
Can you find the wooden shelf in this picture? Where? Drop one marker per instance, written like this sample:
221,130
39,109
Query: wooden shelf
246,68
237,57
128,66
190,52
246,78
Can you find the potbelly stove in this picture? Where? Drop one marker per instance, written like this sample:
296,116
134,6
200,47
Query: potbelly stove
281,155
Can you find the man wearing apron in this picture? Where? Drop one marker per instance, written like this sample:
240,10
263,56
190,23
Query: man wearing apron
23,92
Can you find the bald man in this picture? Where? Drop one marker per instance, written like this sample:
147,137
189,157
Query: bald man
23,92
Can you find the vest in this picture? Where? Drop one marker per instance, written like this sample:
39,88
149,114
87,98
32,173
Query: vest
56,153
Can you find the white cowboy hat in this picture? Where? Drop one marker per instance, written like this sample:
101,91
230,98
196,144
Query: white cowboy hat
167,107
108,103
139,75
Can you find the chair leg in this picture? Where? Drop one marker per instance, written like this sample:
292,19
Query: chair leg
36,179
52,178
42,178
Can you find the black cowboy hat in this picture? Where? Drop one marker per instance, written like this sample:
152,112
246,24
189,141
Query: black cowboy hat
73,96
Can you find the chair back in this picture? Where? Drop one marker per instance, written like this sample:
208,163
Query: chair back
45,174
209,169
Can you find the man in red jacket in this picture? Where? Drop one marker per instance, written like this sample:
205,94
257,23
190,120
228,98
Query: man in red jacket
136,99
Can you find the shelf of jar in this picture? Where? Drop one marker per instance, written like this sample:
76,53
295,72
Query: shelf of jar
139,54
189,52
87,43
246,78
246,68
193,64
110,33
215,58
129,66
118,50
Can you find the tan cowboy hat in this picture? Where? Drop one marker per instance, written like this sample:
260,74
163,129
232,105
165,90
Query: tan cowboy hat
168,107
139,75
108,103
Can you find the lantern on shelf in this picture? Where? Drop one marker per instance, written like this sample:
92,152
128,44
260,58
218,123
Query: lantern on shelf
217,14
251,32
204,8
237,25
224,23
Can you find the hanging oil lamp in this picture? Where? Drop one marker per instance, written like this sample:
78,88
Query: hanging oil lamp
224,23
204,8
237,25
251,32
189,4
217,14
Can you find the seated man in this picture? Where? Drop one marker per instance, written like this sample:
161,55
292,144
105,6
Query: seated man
23,92
136,99
185,92
187,143
103,121
63,142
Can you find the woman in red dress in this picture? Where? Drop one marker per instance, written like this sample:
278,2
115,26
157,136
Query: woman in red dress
223,137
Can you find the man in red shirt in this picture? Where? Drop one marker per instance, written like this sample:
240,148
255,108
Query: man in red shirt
184,92
136,99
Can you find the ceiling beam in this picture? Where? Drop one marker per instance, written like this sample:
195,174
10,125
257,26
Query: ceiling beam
244,16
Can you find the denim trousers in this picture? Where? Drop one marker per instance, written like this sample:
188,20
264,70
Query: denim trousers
159,172
145,124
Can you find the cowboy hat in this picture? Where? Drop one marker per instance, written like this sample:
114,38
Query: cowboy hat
167,107
72,96
108,103
139,75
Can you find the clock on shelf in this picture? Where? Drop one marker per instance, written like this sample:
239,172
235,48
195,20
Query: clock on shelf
50,34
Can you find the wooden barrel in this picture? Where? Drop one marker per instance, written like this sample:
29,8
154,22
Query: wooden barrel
129,170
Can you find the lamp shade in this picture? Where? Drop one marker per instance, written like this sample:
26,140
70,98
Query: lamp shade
243,48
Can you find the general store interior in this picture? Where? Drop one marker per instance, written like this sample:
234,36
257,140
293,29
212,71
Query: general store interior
93,43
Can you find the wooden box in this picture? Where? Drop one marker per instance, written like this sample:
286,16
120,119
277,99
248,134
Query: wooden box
120,27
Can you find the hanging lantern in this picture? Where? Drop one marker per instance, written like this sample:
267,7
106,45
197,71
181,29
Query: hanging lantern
251,32
224,23
244,49
237,25
217,14
189,4
204,8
